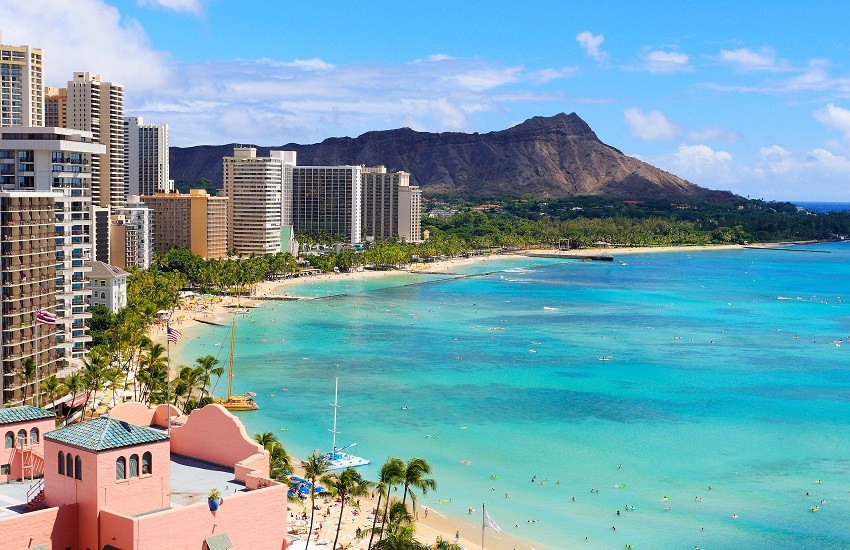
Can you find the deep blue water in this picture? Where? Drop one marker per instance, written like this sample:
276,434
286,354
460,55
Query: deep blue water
727,369
823,206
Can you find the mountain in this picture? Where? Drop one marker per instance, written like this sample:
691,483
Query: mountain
554,156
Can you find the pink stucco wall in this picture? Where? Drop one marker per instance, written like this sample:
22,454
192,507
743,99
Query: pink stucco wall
99,489
255,519
52,527
214,435
132,412
12,456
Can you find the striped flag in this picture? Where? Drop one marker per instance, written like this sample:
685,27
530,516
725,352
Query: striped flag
488,522
172,334
44,317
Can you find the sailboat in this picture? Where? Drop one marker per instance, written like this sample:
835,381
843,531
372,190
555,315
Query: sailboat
338,459
244,402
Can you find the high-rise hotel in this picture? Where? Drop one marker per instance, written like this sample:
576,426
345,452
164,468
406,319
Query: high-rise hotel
45,164
21,86
391,206
146,169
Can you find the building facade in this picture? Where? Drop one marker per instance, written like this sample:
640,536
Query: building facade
108,286
28,275
132,225
59,160
328,200
391,206
21,86
98,107
255,187
197,221
55,107
146,171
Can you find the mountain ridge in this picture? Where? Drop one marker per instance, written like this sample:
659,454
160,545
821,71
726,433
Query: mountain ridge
546,157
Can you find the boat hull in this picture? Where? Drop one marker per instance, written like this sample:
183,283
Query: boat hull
237,403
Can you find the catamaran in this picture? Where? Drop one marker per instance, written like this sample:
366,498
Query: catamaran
244,402
338,459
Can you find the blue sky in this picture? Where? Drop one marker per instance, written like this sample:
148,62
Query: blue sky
753,97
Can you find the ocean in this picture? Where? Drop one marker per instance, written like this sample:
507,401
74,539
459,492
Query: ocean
702,395
823,206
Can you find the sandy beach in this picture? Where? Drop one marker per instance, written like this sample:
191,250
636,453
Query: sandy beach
431,524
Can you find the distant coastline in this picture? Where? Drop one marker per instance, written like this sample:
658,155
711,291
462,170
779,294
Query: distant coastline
823,207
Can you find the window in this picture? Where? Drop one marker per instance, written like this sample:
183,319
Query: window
69,465
134,465
103,295
121,468
34,436
5,469
61,463
10,440
147,460
78,468
22,438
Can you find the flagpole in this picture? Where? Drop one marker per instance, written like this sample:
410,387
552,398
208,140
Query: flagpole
168,375
37,397
482,526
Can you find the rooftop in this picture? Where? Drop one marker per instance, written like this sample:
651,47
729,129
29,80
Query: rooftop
23,413
105,271
104,433
191,480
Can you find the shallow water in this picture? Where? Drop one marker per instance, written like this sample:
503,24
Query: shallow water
722,371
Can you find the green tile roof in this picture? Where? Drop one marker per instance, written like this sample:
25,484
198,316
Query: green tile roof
22,414
218,542
104,433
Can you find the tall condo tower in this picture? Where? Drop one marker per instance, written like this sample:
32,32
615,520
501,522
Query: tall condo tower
98,107
328,199
21,86
146,171
255,186
391,206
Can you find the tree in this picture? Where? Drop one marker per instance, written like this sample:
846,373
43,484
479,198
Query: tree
50,388
400,530
414,476
279,460
113,378
392,473
207,368
27,373
73,384
347,485
315,469
94,368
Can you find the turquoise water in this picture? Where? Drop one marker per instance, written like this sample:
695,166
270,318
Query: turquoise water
723,372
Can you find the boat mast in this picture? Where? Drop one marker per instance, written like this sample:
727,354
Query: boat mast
230,374
334,432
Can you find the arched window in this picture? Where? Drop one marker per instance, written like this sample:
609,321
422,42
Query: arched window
78,467
22,438
103,295
61,463
121,468
33,436
134,465
69,465
10,440
147,463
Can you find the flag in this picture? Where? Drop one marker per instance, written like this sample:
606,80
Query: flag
173,334
44,317
488,522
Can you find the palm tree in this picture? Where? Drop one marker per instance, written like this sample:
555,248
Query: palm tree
73,384
50,388
400,530
207,368
26,372
315,469
347,485
392,473
113,378
414,472
94,367
279,460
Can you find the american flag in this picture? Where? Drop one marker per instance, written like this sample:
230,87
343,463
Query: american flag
172,334
44,317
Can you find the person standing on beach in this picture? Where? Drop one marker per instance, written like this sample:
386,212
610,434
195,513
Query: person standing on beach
457,535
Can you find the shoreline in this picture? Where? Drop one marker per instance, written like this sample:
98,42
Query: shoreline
431,524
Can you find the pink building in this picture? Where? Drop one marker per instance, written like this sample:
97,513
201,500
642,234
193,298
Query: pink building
122,482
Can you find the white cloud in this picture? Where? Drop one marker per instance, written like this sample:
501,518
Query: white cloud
190,6
547,75
590,43
751,60
659,61
86,35
314,64
702,164
649,126
834,116
485,78
714,134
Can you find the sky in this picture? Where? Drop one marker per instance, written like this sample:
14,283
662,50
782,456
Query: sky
751,97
